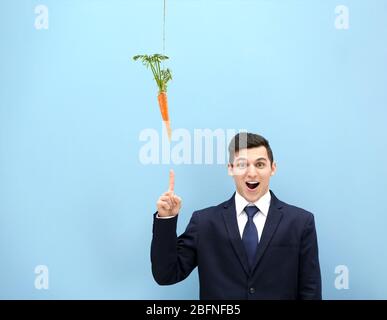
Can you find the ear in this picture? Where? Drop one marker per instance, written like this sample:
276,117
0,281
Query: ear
273,168
229,169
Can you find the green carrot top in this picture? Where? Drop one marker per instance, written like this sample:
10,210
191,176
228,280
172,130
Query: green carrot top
162,76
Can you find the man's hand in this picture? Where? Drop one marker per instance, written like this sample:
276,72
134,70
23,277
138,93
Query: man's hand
169,204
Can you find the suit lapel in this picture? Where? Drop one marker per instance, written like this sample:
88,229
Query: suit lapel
230,219
273,219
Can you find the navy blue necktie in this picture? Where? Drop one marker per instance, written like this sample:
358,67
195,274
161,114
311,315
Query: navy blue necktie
250,234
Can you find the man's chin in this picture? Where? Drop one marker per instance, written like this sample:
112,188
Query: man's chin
251,197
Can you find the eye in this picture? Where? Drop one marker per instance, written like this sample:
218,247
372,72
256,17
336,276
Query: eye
241,165
260,165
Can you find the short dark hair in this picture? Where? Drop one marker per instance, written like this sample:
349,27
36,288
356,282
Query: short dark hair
247,140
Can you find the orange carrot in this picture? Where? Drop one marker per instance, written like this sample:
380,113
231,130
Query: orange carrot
161,77
163,104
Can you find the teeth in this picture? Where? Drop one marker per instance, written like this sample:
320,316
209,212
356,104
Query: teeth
252,182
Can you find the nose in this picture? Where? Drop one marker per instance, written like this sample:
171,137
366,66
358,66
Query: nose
251,171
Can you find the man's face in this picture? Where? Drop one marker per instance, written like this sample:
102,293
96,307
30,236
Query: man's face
251,171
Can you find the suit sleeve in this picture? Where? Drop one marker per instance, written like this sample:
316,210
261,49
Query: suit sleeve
173,258
309,286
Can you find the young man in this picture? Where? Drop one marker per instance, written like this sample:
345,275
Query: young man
252,246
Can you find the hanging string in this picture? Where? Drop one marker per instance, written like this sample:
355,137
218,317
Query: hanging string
164,27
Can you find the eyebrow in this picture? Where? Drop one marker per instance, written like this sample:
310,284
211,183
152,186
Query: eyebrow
256,160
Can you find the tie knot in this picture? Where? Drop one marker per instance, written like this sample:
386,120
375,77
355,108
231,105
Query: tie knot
251,211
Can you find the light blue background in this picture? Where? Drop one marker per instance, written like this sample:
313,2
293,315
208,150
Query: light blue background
73,193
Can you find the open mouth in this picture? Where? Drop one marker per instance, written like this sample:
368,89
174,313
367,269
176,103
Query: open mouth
252,185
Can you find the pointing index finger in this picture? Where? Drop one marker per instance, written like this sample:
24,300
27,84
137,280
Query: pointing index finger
171,181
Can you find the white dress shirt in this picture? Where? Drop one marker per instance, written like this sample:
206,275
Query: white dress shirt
260,217
240,203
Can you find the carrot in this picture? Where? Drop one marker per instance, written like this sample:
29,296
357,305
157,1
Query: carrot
163,104
161,77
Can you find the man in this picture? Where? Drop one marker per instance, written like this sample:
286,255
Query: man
252,246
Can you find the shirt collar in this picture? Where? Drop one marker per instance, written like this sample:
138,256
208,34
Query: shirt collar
262,203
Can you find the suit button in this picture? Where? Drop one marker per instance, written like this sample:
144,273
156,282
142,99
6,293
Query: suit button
252,290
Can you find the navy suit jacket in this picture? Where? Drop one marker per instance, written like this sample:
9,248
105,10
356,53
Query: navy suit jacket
286,264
